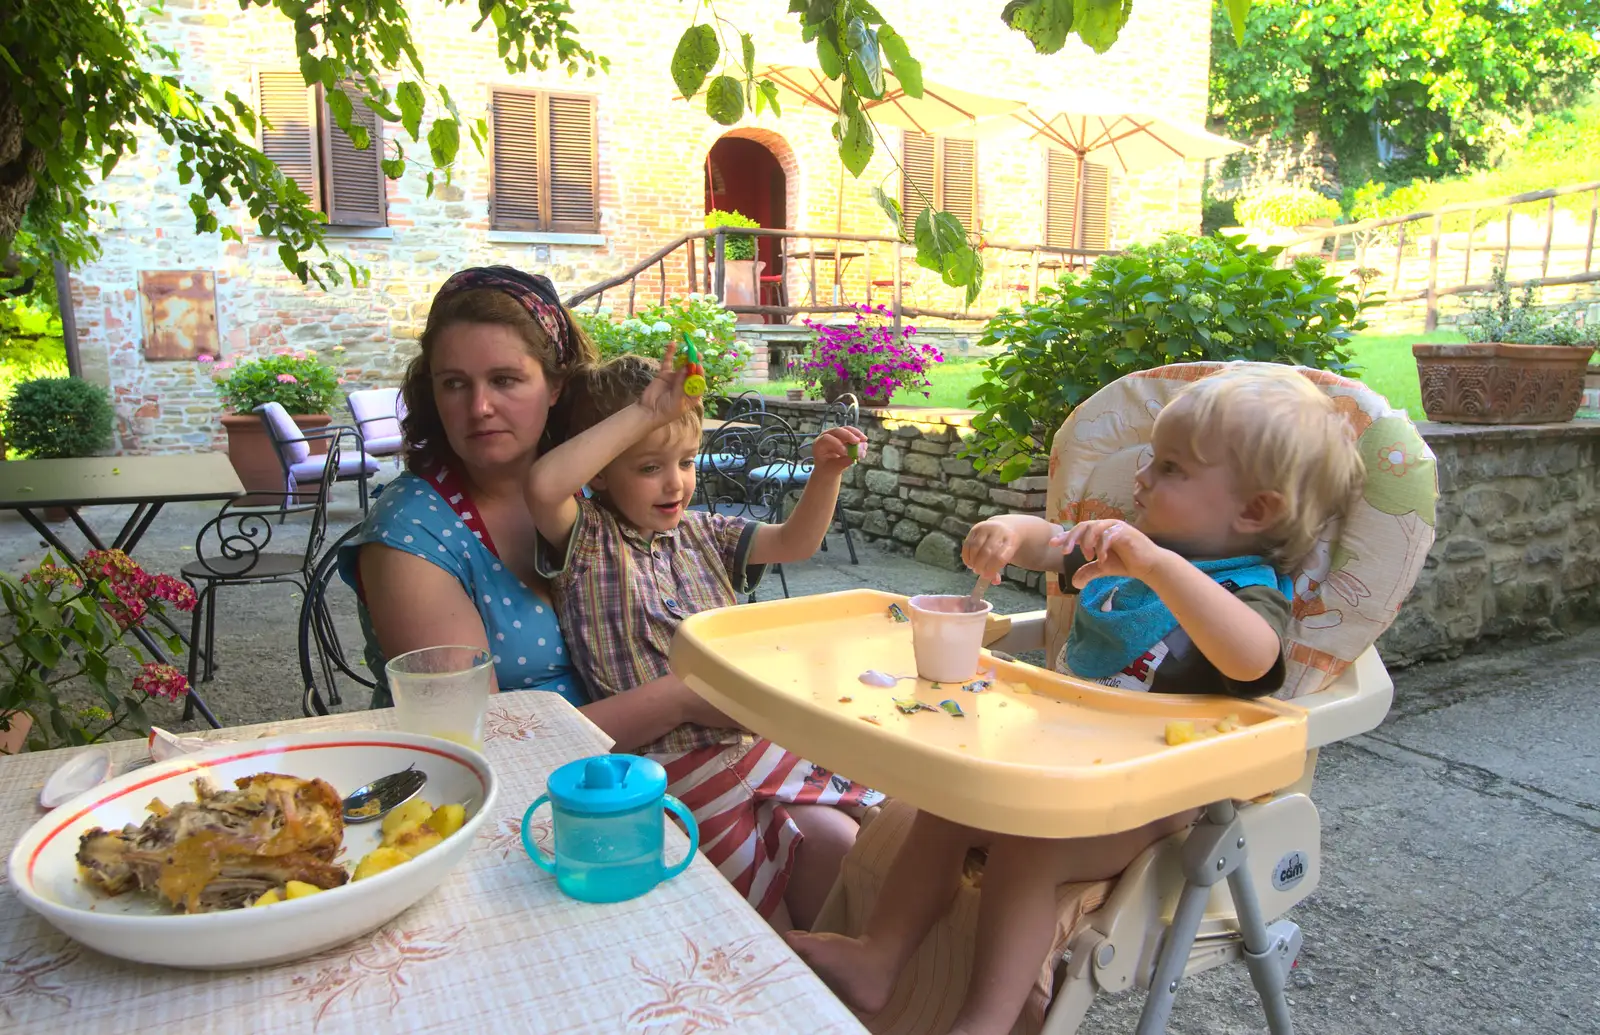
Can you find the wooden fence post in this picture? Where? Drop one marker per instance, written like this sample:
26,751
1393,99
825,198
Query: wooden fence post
1431,322
719,281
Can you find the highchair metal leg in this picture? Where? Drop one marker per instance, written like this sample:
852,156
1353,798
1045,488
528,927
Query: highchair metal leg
1215,851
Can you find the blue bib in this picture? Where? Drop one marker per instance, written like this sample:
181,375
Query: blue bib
1103,642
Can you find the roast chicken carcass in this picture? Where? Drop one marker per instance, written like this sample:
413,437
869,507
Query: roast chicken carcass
226,848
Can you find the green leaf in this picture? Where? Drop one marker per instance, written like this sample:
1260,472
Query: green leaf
409,96
694,59
1237,9
890,206
828,58
767,93
444,140
749,46
855,142
393,168
1098,22
906,68
725,100
866,68
1045,23
938,235
339,105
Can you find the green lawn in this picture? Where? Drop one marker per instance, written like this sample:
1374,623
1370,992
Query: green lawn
1384,360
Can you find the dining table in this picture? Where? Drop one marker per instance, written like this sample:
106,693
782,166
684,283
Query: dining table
496,947
149,483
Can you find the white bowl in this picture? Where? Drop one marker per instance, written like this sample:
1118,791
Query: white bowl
44,871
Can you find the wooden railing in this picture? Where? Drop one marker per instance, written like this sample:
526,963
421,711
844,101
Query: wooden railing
887,268
1449,253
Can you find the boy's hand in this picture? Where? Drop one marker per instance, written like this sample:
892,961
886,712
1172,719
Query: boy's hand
830,452
989,547
664,400
1112,548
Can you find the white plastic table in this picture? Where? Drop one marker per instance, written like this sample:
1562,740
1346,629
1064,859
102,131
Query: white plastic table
495,948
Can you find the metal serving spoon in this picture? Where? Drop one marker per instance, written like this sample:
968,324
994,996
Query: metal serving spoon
378,798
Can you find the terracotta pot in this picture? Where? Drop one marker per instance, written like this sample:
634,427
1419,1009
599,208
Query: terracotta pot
15,740
254,457
1498,383
831,390
743,286
794,395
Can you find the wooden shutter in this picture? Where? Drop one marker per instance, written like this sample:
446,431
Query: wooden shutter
573,182
356,191
958,181
290,140
514,181
917,184
1061,202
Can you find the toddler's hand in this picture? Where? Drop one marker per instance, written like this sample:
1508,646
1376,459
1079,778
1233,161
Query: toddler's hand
1112,548
989,547
830,453
664,399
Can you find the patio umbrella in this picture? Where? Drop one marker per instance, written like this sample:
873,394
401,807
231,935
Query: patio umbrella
1130,142
939,109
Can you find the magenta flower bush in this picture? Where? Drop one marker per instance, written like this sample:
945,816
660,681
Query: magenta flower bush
868,355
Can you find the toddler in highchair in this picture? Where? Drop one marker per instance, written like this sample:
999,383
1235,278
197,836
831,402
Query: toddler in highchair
1188,597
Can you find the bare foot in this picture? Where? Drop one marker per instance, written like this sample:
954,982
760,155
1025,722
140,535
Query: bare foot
848,966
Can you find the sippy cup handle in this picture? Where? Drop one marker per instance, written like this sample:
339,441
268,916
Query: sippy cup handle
683,813
547,865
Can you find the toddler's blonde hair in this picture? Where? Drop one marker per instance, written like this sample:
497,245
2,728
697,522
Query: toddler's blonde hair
1275,432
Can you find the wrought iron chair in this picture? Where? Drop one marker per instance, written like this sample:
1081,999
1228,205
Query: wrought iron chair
791,475
377,413
322,654
299,464
231,549
757,440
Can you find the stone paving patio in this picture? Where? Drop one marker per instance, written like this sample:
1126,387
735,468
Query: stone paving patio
1462,837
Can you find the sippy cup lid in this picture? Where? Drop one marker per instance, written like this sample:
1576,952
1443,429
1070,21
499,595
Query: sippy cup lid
607,784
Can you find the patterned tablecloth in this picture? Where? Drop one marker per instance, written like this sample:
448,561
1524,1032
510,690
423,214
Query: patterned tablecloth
495,948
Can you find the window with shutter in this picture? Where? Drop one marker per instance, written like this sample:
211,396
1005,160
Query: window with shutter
917,183
354,186
958,180
288,129
1061,202
545,165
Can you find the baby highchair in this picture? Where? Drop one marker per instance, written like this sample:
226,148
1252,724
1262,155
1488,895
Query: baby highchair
1216,892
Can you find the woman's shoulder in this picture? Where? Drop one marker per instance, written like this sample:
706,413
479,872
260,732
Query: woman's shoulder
409,515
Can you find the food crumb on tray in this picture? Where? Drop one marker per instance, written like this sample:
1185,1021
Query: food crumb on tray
1182,731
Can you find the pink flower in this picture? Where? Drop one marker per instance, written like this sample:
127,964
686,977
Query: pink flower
224,365
281,352
161,681
204,358
288,379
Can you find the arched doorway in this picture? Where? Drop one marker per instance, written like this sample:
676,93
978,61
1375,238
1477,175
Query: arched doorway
750,172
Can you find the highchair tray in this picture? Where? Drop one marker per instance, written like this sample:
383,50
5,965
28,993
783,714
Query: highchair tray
1035,753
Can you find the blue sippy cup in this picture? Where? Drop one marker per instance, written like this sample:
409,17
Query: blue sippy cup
607,828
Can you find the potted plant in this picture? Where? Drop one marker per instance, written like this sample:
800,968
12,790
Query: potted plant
299,381
53,418
1521,365
67,631
701,317
866,357
741,283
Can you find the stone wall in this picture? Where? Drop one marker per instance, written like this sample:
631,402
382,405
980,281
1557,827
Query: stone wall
652,161
1517,553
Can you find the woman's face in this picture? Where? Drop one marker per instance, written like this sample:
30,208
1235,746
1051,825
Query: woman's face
493,397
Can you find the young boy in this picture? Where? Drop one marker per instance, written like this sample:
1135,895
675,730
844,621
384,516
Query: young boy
628,565
1188,597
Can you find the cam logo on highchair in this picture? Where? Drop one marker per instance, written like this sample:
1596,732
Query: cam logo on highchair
1291,870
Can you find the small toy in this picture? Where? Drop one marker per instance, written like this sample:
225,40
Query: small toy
853,452
953,709
977,686
897,614
689,359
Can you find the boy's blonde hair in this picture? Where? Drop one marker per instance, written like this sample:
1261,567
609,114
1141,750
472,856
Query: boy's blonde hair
1276,432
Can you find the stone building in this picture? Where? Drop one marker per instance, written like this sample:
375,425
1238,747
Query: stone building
626,167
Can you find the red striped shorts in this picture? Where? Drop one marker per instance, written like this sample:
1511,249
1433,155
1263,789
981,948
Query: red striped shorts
738,800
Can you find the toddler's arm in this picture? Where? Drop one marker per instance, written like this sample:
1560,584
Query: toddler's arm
556,478
1020,539
1233,637
797,538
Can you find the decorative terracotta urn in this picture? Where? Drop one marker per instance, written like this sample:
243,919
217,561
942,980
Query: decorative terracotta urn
1500,383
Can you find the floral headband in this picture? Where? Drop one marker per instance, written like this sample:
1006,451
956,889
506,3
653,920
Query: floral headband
533,292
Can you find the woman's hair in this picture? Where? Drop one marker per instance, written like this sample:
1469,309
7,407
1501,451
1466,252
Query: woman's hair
603,389
427,445
1276,432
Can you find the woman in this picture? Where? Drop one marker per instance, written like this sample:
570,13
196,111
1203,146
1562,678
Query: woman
447,554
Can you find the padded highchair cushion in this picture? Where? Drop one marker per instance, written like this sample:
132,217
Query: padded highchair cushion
1347,591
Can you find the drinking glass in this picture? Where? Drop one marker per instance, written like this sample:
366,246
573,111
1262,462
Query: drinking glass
442,692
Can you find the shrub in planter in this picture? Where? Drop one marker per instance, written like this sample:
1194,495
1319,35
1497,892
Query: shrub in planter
56,417
1284,206
701,317
298,380
1185,299
737,247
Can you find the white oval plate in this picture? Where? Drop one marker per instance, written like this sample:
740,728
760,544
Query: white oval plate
43,866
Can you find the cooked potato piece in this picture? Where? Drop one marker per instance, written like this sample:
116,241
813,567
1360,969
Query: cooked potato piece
378,860
417,840
299,889
447,819
413,813
271,898
1180,732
